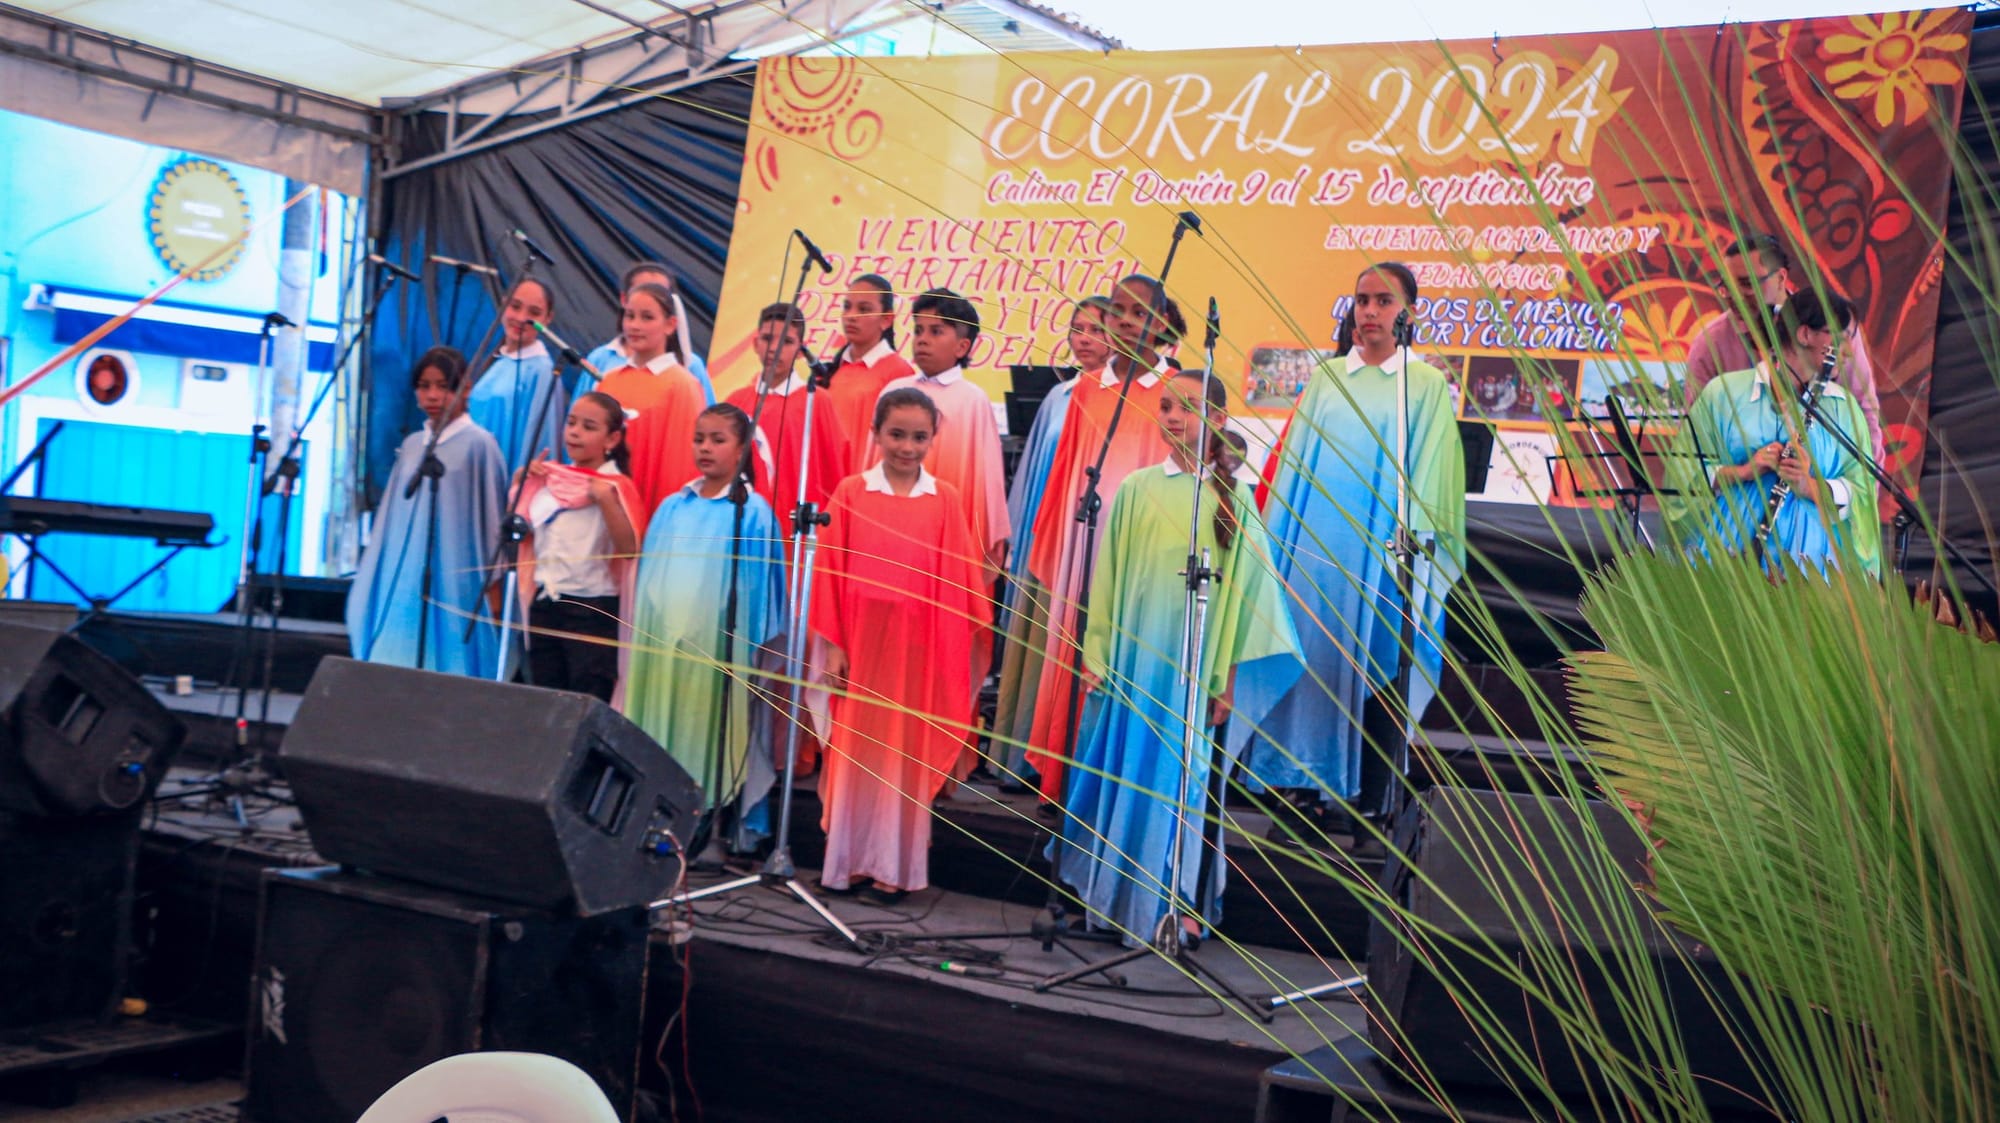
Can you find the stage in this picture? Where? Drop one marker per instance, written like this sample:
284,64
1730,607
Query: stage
785,1023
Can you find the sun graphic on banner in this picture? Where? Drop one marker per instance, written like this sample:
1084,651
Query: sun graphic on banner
1894,60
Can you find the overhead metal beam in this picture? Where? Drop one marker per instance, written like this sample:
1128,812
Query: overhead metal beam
675,52
53,42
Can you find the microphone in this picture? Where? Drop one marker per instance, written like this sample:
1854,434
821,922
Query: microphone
1192,221
1214,322
534,250
812,252
564,351
393,268
562,347
277,320
1404,331
463,266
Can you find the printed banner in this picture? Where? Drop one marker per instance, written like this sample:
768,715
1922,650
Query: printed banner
1561,196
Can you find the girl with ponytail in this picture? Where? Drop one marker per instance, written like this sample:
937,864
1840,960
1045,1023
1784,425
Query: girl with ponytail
1116,848
712,530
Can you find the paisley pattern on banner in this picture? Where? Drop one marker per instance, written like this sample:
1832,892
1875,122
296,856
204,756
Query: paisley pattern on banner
1561,198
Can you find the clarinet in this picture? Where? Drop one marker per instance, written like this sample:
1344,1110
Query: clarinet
1782,490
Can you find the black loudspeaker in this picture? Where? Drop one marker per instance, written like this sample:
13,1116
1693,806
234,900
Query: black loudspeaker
65,916
537,797
78,735
1467,842
360,982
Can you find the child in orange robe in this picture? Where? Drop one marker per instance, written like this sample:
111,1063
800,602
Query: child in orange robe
781,419
866,364
966,452
1138,324
901,600
660,398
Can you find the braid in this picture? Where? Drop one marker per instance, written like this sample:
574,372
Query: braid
1226,520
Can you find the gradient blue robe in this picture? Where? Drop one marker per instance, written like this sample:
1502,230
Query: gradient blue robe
1331,510
1118,834
674,679
1734,417
507,398
1023,619
386,603
610,356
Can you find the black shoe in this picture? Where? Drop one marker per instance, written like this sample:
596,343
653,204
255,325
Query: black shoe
857,885
882,898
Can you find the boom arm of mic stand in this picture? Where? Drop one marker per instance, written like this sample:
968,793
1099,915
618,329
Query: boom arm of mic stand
1905,502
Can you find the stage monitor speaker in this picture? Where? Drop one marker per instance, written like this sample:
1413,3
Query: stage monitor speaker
362,981
65,916
1455,836
538,797
78,734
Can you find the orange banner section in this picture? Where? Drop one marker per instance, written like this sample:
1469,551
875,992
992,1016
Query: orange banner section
1562,196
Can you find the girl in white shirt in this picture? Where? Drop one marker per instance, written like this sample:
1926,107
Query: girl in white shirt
584,522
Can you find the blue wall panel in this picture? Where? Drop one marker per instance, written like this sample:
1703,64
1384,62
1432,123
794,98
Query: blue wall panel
95,462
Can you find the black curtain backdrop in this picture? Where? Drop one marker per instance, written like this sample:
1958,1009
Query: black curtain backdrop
1961,481
653,181
659,179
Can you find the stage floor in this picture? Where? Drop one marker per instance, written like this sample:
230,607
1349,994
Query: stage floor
788,1022
932,927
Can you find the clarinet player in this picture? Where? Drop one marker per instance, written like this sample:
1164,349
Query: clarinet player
1781,485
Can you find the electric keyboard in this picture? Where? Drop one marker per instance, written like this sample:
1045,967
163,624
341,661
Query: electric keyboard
32,517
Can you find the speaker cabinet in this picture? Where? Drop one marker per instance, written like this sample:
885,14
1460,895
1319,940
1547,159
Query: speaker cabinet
65,916
538,797
361,981
1466,842
78,735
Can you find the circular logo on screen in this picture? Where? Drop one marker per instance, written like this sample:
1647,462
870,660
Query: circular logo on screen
195,209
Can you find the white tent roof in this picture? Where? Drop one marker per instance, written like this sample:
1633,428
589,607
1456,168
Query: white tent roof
298,86
369,51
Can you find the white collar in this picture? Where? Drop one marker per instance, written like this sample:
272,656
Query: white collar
1392,365
877,481
534,350
661,363
877,353
616,346
1108,378
452,428
609,469
950,376
693,487
1833,389
1172,467
790,386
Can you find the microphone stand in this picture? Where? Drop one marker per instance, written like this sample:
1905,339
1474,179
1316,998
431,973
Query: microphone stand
1170,938
281,482
1403,551
779,871
432,469
253,526
1091,502
514,528
1906,504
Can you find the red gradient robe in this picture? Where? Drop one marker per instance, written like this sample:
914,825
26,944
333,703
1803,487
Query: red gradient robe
661,401
899,591
965,453
1057,560
782,422
855,386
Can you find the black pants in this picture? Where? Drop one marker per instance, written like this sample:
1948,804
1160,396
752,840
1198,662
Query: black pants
561,663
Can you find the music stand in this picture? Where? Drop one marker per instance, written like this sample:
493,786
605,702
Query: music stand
1628,448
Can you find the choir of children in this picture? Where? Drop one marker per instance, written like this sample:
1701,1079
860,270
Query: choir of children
657,568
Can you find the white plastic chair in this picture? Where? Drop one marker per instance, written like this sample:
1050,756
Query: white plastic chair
494,1088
